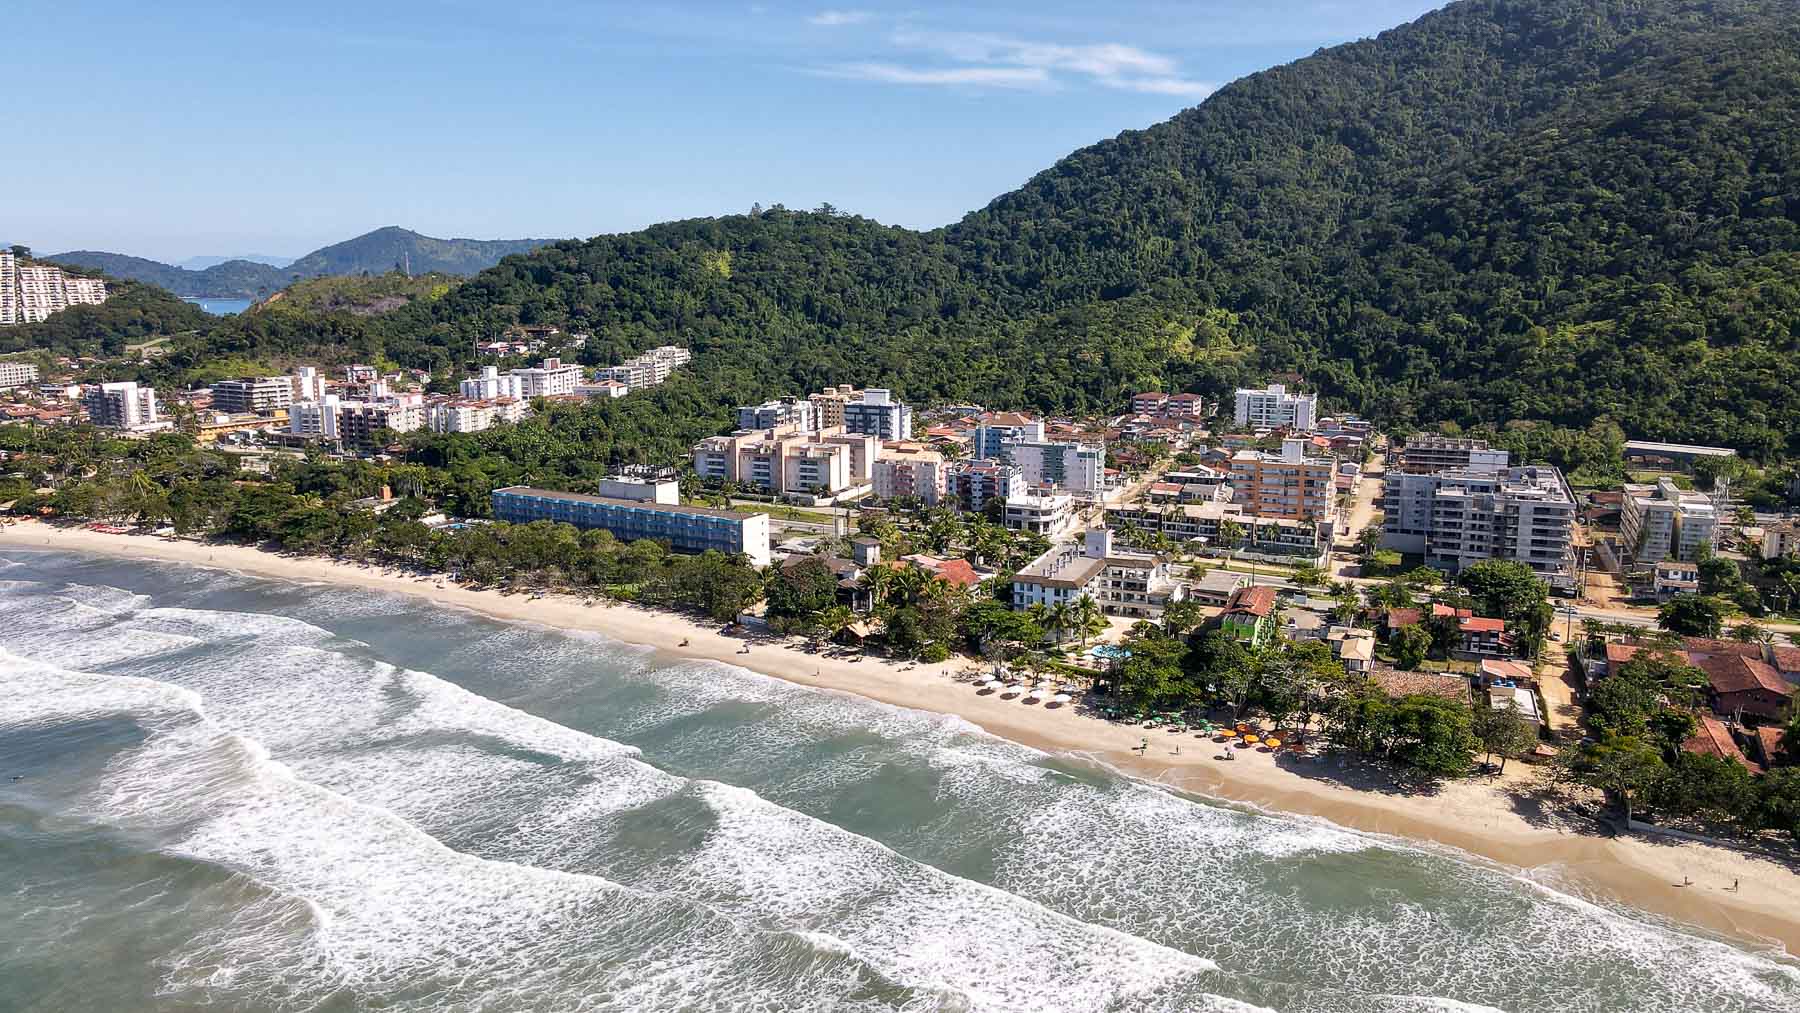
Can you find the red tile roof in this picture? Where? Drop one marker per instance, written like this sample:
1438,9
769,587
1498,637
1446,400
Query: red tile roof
1439,609
1734,674
1712,738
1768,740
1619,654
1787,659
1256,601
1482,624
1397,618
1708,645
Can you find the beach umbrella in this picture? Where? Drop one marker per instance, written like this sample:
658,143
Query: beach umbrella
1060,698
1273,743
994,684
1013,688
1251,740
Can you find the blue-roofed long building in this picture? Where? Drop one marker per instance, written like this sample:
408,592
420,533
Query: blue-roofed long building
640,510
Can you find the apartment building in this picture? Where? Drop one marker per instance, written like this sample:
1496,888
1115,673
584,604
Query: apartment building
790,459
491,384
359,421
474,416
123,405
1662,521
641,510
308,383
1428,454
605,389
788,412
31,292
1209,524
997,430
1455,518
648,369
253,395
974,483
1286,485
552,379
1274,407
1049,515
1130,584
1781,538
875,413
910,471
17,374
1078,468
1188,406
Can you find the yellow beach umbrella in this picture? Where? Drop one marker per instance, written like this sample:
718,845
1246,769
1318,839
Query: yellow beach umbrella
1273,743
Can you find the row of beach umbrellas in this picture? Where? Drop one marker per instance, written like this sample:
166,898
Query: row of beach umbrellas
1039,692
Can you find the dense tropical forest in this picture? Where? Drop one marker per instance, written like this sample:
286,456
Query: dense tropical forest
1572,211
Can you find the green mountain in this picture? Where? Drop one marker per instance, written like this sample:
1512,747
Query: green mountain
1584,212
376,252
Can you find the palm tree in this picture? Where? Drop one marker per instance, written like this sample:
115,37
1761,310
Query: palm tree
1088,615
835,620
1058,619
875,582
1231,533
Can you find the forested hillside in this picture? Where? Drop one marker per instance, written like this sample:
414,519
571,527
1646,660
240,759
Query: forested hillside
1509,209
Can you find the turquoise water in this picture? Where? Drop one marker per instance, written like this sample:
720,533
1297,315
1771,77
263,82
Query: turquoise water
246,794
220,307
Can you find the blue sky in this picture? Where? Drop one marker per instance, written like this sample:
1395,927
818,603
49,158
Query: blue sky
179,129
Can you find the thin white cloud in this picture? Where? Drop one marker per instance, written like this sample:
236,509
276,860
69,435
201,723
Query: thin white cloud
891,73
833,19
999,61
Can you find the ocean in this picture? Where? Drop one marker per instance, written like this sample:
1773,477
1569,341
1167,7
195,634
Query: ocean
220,307
224,791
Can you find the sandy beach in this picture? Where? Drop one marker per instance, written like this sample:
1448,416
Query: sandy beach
1502,820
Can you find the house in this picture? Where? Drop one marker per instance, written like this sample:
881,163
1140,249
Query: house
1767,744
1519,698
1481,637
1216,587
1617,654
1673,577
1712,738
954,571
1780,539
1355,647
1303,624
1396,619
1786,661
1699,649
1493,671
1249,615
847,573
1747,688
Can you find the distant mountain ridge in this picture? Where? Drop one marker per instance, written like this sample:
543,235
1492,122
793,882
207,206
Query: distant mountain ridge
375,252
202,263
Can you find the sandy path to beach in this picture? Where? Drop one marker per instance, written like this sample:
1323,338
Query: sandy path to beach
1494,819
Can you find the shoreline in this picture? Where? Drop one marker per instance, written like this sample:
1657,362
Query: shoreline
1493,820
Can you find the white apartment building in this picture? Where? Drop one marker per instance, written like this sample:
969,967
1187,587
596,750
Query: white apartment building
316,418
124,405
910,471
1048,515
997,430
1661,521
17,374
257,395
648,369
1079,468
552,379
1427,453
603,388
1455,518
1129,584
788,459
876,413
474,416
1206,524
1274,407
1780,539
31,292
491,384
309,385
788,412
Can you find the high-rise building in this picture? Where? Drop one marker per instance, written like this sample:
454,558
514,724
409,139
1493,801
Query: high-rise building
309,384
910,471
1427,453
1288,484
1455,518
17,374
31,292
253,395
474,416
974,483
123,405
996,430
789,459
491,384
1663,521
552,379
876,413
1078,468
1274,407
789,412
